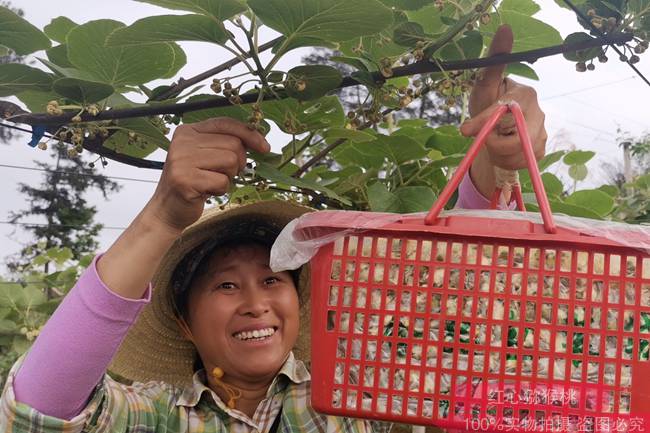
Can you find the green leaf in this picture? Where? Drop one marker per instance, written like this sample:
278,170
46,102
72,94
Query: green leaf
220,10
408,34
527,7
312,81
412,123
362,154
552,185
180,59
550,159
82,90
406,199
610,190
429,17
116,65
406,5
582,55
7,326
356,62
274,175
522,70
60,255
322,113
36,102
16,78
20,344
448,140
19,35
67,72
529,33
467,47
152,136
4,51
598,201
401,149
379,198
419,134
563,4
578,157
58,29
59,56
168,28
307,23
332,134
578,172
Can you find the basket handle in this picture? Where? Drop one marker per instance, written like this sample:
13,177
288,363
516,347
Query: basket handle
481,138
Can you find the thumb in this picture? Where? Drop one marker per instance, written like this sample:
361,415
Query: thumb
501,44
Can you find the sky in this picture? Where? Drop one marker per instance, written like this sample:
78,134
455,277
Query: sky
583,111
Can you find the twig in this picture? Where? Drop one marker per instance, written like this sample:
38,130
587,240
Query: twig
306,166
603,37
422,67
184,84
95,145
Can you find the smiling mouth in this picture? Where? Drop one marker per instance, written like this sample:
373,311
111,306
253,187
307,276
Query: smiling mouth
256,335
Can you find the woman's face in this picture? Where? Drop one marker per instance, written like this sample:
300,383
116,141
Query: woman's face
244,318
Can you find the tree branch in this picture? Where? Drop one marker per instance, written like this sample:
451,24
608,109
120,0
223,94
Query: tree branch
603,37
306,166
422,67
95,145
184,84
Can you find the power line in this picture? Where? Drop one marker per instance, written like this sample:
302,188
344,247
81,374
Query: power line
58,225
585,89
581,125
130,179
594,107
24,283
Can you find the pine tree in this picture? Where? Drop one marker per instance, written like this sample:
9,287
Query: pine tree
60,200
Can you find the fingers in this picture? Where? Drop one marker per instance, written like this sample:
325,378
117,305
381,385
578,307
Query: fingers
525,96
252,139
222,160
501,44
208,183
471,127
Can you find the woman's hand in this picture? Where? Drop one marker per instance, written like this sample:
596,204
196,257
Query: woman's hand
202,160
503,147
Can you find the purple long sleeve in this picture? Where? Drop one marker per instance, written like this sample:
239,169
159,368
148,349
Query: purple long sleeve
77,344
469,197
74,348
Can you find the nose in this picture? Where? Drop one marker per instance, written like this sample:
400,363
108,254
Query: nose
255,301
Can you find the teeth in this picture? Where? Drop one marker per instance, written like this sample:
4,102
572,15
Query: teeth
256,334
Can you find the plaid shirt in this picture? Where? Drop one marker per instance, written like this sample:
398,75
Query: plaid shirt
157,407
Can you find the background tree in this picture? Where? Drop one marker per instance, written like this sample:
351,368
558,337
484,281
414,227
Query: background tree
60,200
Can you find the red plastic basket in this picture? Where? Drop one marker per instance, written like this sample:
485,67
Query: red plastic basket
482,324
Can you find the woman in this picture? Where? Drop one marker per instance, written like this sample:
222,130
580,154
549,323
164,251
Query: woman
211,350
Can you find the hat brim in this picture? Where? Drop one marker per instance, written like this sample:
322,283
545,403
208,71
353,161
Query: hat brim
154,348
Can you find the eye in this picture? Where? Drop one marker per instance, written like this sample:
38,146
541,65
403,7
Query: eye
271,280
226,285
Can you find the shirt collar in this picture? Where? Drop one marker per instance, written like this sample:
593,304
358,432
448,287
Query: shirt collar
292,370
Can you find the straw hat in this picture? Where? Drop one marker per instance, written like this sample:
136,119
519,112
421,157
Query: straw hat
155,349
